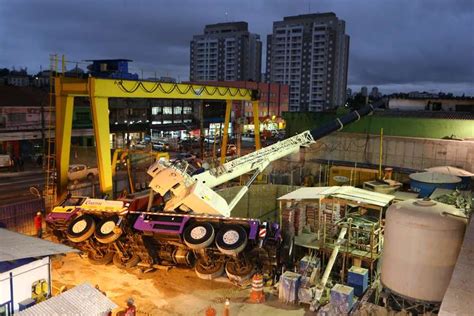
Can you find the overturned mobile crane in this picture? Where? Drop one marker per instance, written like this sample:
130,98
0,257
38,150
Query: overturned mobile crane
183,221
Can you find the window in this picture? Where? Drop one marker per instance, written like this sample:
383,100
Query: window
156,110
177,110
167,110
187,110
17,117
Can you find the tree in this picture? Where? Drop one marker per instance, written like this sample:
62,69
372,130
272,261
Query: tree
4,72
357,102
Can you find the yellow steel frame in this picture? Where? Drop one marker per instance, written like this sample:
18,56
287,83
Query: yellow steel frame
100,90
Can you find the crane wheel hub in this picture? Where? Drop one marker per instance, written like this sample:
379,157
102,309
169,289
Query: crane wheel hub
230,237
79,226
198,232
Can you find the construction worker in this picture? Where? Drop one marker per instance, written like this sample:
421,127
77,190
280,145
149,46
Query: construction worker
131,309
39,225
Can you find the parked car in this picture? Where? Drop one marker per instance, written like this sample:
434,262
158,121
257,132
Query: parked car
79,172
212,140
141,145
160,146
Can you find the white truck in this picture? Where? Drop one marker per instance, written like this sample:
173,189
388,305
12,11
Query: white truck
78,172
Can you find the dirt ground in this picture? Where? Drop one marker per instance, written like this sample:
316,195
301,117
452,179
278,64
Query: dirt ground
173,292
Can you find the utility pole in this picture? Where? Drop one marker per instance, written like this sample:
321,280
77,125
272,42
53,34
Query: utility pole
201,128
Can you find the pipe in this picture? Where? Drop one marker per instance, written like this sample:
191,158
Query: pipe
381,153
339,123
322,284
244,190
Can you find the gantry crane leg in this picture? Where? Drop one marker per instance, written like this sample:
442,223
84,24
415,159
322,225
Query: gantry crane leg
64,110
100,121
225,136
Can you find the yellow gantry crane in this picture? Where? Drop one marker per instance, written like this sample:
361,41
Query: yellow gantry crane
99,91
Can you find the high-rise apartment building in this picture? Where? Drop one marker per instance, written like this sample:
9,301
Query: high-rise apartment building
226,51
310,53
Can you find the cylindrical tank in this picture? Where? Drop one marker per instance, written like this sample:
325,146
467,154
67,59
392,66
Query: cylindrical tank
453,171
422,242
426,182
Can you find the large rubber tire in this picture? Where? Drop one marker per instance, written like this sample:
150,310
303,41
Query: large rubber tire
208,271
239,272
106,230
199,235
81,228
123,263
106,259
231,239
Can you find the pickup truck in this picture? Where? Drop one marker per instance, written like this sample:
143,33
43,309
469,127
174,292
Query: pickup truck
78,172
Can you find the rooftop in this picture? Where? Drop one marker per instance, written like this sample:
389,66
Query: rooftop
15,246
226,27
83,299
310,16
344,192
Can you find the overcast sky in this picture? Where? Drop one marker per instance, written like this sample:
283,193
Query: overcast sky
399,45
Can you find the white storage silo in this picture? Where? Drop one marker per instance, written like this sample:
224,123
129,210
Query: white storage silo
422,242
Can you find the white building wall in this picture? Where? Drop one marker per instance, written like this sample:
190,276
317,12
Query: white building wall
23,278
420,104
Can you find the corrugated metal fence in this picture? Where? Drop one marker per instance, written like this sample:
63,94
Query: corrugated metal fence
19,216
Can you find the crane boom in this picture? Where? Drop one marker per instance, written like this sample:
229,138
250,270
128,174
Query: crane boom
194,192
260,159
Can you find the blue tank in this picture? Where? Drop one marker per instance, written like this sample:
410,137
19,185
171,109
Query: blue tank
424,183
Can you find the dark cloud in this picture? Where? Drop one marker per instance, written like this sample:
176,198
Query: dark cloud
394,44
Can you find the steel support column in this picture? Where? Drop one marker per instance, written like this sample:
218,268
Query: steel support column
256,124
225,136
100,121
64,111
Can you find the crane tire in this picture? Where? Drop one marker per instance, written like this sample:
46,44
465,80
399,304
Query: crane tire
81,228
239,272
128,263
107,231
208,271
199,235
105,259
231,239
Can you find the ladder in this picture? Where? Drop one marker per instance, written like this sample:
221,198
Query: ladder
49,164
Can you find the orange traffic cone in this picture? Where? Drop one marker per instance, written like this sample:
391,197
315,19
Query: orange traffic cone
227,307
257,295
211,311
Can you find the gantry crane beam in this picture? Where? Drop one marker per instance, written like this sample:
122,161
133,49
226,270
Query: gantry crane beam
99,90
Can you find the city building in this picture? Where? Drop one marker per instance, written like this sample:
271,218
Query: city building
111,68
375,94
422,95
226,51
42,79
273,102
349,93
18,78
25,117
364,91
310,53
430,103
